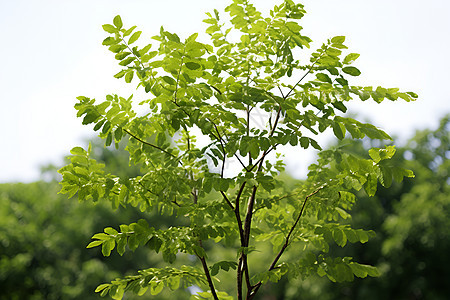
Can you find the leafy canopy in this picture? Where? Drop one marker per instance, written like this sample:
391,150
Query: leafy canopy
238,98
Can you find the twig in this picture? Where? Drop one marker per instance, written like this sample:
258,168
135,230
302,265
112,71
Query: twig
255,288
227,200
151,145
223,151
303,77
208,275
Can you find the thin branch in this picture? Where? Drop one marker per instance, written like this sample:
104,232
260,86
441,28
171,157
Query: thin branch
153,193
140,62
151,145
227,200
277,118
282,95
221,140
255,288
223,151
238,213
303,77
208,275
240,161
278,199
259,161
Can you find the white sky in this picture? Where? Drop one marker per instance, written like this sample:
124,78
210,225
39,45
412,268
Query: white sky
51,53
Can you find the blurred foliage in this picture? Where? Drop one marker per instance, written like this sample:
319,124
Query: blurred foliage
43,237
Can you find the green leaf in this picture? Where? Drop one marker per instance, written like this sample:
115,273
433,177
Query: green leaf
362,271
338,39
362,235
339,130
378,154
121,245
371,185
343,273
323,77
351,71
342,81
91,117
304,142
118,22
101,287
340,106
192,65
127,61
110,41
129,76
373,132
129,31
350,58
122,55
108,246
134,37
110,28
94,244
333,52
386,176
339,237
78,151
169,80
315,144
117,48
109,139
399,173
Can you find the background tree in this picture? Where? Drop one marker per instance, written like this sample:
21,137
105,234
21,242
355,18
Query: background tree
411,221
215,92
43,237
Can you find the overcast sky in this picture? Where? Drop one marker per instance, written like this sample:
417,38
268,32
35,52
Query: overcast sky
51,53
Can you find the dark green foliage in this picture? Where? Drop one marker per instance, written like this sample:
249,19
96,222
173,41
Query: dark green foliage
43,237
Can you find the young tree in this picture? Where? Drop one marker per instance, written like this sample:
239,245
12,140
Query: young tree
210,93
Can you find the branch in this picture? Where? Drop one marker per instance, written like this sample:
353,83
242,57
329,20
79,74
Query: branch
219,138
259,161
227,200
278,199
151,145
140,62
255,288
242,239
248,134
208,275
303,77
238,213
223,151
247,228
